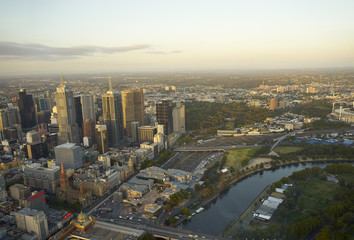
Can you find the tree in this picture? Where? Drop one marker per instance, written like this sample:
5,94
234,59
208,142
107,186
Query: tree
168,208
197,187
185,211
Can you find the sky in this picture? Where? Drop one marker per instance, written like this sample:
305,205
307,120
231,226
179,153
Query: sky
160,35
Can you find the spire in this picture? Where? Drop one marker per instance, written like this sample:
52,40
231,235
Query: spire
62,83
110,84
62,168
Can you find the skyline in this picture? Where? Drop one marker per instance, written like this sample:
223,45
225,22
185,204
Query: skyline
116,36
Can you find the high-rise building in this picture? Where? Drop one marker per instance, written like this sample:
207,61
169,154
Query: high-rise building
27,109
68,128
88,107
135,131
147,133
69,154
133,108
32,220
179,119
102,138
164,115
113,116
9,117
273,104
37,150
88,128
78,111
49,101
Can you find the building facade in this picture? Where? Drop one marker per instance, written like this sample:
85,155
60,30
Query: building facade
32,220
68,128
133,108
27,109
113,116
164,115
70,155
42,178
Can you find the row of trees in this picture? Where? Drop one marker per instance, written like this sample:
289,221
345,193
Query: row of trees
163,157
178,197
333,151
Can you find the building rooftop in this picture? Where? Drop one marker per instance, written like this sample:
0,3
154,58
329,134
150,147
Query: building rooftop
67,145
30,212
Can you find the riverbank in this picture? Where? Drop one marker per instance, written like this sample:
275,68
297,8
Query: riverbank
234,223
245,175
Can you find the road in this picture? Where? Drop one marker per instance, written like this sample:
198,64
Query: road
161,230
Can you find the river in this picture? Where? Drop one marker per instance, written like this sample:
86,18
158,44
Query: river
234,201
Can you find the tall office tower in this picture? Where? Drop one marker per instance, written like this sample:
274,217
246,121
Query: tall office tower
164,115
89,128
70,155
88,115
113,116
27,110
9,117
68,128
179,120
48,101
32,220
133,108
135,131
102,138
88,107
273,104
78,110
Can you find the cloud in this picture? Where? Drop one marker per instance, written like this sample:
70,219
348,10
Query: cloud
12,50
163,52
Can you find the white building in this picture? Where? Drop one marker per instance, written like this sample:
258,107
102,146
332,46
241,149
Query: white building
32,220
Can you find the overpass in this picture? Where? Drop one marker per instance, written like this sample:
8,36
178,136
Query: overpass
213,149
199,149
280,139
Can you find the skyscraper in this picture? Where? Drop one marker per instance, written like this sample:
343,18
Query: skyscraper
88,107
78,113
27,109
88,115
68,128
133,108
113,116
164,115
101,138
179,120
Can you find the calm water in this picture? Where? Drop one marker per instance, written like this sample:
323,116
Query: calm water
235,201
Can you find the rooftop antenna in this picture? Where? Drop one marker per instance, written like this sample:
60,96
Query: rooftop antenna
62,83
110,83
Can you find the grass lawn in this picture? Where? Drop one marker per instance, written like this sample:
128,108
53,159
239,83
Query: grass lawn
321,191
293,216
286,150
239,157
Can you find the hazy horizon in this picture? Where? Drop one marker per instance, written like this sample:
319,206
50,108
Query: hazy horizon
47,37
